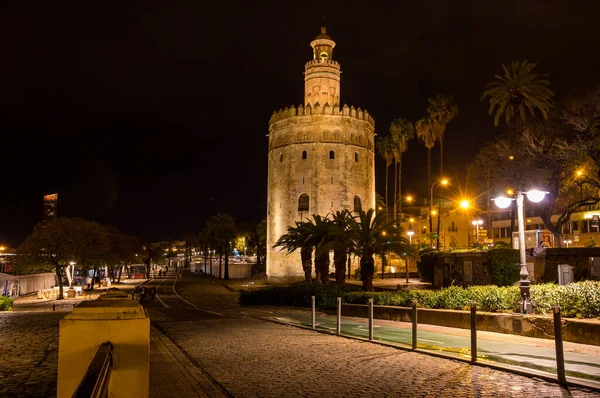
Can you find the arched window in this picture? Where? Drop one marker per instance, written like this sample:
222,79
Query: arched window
304,155
281,157
357,204
303,202
331,155
356,156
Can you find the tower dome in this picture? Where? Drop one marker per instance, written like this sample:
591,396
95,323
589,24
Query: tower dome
322,46
322,74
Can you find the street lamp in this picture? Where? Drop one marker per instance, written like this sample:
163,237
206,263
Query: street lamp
410,233
443,182
503,202
567,242
476,225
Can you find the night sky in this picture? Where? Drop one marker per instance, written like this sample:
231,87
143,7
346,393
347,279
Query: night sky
152,115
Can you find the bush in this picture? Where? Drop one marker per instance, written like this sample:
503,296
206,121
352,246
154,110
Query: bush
297,295
579,300
426,263
6,303
503,265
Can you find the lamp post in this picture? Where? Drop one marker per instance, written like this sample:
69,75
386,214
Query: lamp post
410,234
476,225
503,202
567,242
443,182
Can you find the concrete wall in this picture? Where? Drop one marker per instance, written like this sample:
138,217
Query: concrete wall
236,270
546,263
574,330
112,318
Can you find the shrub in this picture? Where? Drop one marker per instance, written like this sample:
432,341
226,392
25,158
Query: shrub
297,295
503,266
580,300
6,303
426,263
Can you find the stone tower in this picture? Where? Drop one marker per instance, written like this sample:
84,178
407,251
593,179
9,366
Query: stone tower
321,157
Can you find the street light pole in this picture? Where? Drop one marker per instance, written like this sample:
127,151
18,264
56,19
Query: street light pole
443,182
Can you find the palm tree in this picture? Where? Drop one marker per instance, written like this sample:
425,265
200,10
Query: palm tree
223,226
518,93
374,236
402,131
319,232
298,237
427,130
442,109
339,239
384,147
258,237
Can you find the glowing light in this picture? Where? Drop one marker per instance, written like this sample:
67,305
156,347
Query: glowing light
510,192
579,173
413,220
511,157
535,196
503,202
2,248
409,198
464,204
444,182
433,212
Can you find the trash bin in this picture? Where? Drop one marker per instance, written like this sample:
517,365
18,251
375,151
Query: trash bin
565,274
71,293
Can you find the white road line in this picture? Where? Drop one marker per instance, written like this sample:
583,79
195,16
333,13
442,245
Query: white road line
432,341
158,296
177,294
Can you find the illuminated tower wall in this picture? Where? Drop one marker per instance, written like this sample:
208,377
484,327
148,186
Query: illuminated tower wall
321,158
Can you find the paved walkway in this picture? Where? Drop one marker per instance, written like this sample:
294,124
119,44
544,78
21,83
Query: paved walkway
246,356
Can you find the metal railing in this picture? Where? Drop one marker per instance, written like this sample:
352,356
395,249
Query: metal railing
97,376
560,359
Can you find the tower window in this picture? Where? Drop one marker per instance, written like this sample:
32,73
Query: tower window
331,180
303,202
356,156
304,155
281,157
357,204
331,155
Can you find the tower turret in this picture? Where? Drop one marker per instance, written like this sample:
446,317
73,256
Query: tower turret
322,74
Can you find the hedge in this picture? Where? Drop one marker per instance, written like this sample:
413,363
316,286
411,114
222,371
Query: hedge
426,263
503,264
581,300
6,303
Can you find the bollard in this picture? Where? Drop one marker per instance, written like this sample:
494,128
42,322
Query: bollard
473,332
414,326
339,315
53,307
370,319
560,356
314,324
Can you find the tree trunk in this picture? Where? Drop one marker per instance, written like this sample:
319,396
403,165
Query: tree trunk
429,186
387,169
339,260
367,269
306,257
442,157
322,263
94,276
60,281
406,265
400,186
227,259
220,258
349,266
395,186
438,226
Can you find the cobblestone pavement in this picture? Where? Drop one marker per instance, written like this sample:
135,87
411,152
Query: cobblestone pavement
29,353
29,345
254,358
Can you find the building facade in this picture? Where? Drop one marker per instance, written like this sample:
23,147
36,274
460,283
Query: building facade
321,157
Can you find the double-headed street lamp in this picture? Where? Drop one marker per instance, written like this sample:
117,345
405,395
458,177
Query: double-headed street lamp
503,202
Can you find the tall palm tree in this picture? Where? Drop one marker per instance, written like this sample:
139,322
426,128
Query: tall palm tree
442,109
299,237
403,131
427,130
339,239
518,93
384,147
258,237
374,236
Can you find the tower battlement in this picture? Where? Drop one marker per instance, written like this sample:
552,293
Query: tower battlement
322,62
351,112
